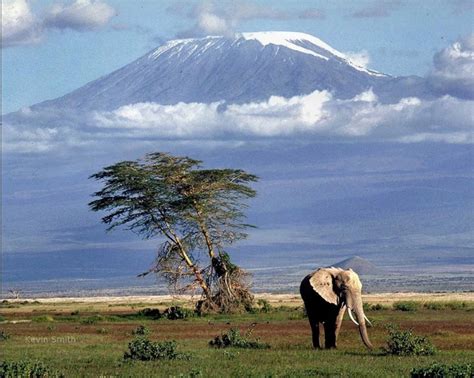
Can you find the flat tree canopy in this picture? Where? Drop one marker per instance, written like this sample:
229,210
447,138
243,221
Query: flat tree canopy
196,212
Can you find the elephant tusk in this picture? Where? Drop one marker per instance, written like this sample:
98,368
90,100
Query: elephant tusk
352,317
368,321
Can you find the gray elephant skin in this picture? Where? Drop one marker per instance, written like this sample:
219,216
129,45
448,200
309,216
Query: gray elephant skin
327,293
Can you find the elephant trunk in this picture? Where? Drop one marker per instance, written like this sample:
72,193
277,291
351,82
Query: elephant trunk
361,319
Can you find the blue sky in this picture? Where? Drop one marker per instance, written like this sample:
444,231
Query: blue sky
54,52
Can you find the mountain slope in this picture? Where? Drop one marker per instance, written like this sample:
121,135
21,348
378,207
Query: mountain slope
248,67
358,265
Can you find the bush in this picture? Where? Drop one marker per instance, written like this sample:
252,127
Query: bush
141,330
4,336
141,348
176,312
374,307
405,343
434,305
92,319
25,368
265,306
234,339
456,305
437,370
43,319
405,306
152,313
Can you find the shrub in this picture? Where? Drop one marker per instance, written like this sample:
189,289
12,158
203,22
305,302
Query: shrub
405,343
177,312
234,339
43,319
4,336
92,319
456,305
152,313
374,307
433,305
405,306
437,370
141,330
25,368
265,306
141,348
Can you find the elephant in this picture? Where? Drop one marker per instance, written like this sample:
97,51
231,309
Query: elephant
326,293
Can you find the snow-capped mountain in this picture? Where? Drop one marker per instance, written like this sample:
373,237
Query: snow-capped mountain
248,67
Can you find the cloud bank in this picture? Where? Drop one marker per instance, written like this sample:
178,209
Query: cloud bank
21,27
316,116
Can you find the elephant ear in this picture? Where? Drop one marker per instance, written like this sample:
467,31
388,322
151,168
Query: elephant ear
322,283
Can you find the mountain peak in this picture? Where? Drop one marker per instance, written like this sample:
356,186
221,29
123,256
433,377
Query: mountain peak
296,41
245,68
358,264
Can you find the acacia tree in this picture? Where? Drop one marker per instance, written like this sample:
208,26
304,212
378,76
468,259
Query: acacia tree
197,211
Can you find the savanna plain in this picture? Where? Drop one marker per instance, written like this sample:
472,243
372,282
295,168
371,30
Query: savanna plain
91,337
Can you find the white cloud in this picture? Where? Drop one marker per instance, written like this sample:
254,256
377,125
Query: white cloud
19,25
222,17
314,116
79,15
359,58
453,71
213,24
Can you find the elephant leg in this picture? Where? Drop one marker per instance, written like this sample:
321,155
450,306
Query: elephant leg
339,318
330,334
315,331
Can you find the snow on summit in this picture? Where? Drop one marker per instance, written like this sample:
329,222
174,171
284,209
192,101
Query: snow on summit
296,41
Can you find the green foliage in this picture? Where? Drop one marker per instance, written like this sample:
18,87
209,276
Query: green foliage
265,306
458,305
4,336
141,330
92,319
374,307
437,370
195,373
434,305
2,318
234,339
197,211
177,312
406,343
451,305
43,319
152,313
141,348
406,306
102,331
26,368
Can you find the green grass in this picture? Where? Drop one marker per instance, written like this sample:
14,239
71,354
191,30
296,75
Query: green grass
93,344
